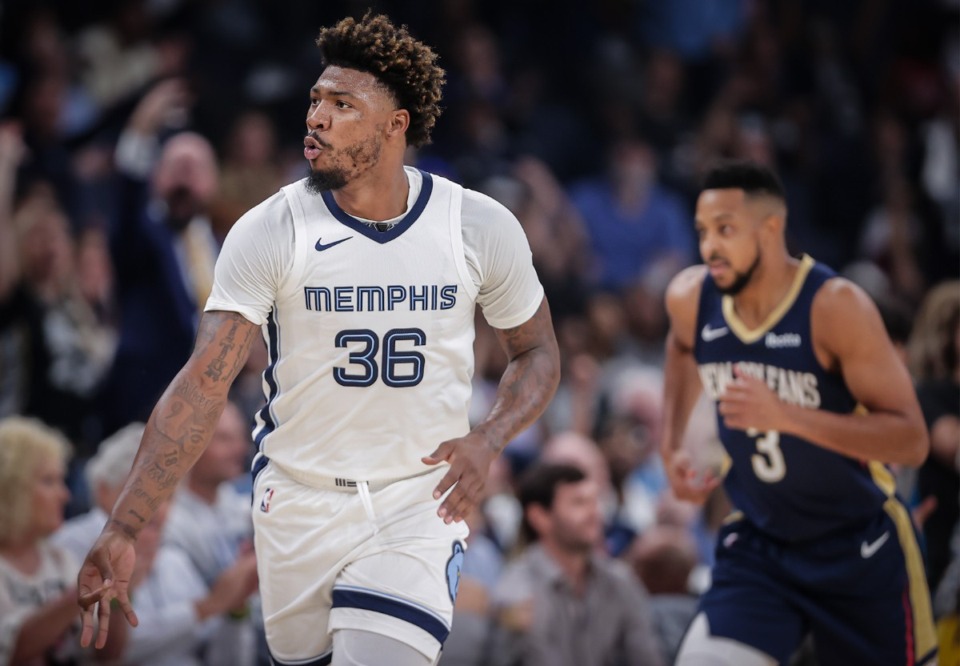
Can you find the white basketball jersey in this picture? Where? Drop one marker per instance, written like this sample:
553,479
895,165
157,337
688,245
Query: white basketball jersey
370,340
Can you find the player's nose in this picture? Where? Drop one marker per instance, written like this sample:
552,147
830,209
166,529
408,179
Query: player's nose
318,118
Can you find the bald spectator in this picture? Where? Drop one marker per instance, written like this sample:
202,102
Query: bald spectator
163,250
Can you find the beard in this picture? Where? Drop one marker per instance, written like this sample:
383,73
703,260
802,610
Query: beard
324,180
361,156
741,280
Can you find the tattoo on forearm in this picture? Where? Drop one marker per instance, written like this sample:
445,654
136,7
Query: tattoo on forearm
151,501
162,477
194,396
187,415
530,379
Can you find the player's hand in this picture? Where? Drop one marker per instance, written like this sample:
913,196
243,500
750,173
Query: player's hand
687,484
749,403
105,576
469,459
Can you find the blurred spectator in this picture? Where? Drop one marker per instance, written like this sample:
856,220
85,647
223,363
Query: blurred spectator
38,598
663,557
56,346
183,621
163,251
632,221
934,355
250,173
560,602
116,57
209,517
577,450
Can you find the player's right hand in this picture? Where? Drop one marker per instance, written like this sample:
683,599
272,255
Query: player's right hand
686,483
105,576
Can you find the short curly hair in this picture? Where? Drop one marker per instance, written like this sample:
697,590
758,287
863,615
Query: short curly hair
406,67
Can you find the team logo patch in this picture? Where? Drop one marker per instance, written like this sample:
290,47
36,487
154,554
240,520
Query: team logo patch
454,565
265,501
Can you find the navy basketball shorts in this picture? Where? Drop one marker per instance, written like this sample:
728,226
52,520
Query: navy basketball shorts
861,593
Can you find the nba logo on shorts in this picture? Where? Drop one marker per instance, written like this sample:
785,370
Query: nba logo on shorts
265,502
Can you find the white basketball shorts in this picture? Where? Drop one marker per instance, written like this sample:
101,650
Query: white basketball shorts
375,558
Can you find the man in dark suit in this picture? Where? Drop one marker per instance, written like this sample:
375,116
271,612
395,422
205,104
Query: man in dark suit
163,251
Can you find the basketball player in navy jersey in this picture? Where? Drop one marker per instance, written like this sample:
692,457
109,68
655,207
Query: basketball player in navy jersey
363,278
811,403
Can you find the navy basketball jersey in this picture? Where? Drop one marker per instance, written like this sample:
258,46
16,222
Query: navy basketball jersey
790,488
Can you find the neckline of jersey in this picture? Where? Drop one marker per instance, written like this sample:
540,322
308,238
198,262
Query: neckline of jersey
749,335
426,189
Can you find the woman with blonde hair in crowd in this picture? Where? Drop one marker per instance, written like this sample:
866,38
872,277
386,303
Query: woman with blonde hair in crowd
39,621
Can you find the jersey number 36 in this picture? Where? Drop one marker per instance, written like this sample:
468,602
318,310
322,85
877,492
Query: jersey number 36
397,368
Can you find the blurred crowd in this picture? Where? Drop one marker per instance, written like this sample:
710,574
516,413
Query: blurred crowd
133,134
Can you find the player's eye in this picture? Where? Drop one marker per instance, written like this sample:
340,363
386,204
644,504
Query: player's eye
342,105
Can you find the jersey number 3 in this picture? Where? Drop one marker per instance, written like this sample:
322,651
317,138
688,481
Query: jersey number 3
768,462
400,367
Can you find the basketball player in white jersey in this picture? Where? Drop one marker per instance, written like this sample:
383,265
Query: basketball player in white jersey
363,278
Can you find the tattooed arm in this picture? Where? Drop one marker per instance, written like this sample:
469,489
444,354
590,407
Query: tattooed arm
525,389
176,434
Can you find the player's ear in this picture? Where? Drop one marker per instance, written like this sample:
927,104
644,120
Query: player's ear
398,123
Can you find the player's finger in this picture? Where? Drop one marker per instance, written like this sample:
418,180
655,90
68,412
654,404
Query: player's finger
103,620
441,453
450,478
451,504
87,594
127,609
471,495
86,632
461,510
101,560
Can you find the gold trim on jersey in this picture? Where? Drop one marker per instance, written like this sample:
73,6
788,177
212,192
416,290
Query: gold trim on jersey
882,477
924,632
733,517
748,335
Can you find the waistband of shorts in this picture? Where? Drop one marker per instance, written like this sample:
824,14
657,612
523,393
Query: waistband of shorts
261,461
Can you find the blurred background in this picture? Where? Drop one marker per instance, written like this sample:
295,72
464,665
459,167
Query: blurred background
133,134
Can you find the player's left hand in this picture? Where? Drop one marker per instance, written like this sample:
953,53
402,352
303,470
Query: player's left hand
749,403
469,459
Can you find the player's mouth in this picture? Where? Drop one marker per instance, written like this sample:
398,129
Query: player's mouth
717,266
311,148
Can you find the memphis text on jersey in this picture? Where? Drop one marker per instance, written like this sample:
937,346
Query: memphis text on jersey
791,386
380,299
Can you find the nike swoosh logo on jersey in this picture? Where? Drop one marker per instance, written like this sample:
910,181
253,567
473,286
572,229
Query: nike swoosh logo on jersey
867,550
709,334
320,247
